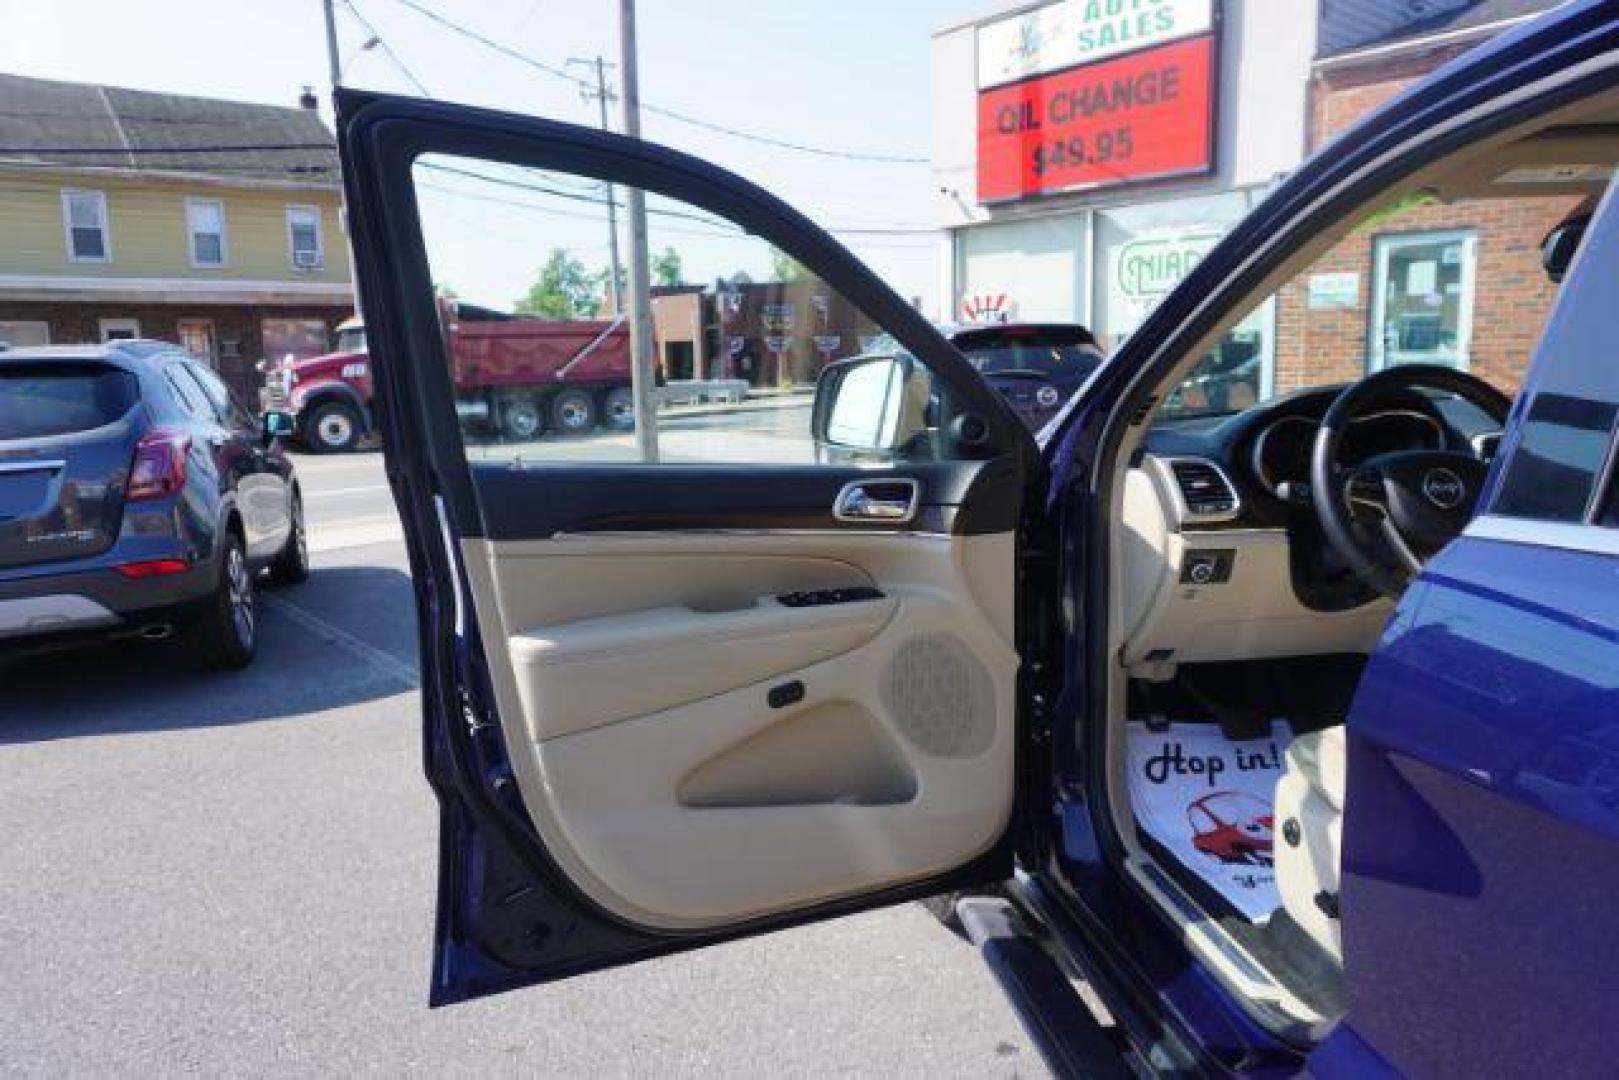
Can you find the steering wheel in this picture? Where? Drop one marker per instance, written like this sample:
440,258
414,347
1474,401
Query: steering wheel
1414,501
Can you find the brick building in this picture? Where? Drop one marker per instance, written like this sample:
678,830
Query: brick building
1485,254
213,224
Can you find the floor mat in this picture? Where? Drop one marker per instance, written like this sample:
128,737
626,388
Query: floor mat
1209,802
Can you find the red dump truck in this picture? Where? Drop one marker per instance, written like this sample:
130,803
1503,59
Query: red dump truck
515,378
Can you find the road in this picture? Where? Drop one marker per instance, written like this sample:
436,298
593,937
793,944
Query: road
234,875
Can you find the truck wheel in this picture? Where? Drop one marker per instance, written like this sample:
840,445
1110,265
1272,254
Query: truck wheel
332,428
573,412
521,419
619,405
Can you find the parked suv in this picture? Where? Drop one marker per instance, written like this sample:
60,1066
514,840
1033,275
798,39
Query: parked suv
138,498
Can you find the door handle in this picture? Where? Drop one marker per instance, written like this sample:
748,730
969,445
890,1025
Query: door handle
891,502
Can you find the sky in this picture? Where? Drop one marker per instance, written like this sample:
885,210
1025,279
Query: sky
850,75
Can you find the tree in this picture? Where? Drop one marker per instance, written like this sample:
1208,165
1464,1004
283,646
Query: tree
564,289
666,267
783,267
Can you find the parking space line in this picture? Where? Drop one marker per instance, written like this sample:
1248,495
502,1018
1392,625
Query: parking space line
334,492
384,661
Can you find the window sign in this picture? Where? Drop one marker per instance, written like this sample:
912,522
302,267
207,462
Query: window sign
1329,291
1422,299
1146,267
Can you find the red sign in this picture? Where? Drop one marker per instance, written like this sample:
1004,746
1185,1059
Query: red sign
1143,115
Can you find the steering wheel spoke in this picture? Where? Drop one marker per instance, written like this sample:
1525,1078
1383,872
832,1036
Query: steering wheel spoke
1363,490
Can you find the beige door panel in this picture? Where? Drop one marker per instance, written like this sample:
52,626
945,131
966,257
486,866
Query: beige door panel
625,793
634,703
578,675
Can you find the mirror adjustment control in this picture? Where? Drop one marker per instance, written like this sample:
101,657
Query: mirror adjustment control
1207,566
821,597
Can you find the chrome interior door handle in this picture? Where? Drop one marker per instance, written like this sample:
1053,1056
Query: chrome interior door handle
888,501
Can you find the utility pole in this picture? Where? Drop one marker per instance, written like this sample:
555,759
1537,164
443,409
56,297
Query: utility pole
333,62
602,96
643,379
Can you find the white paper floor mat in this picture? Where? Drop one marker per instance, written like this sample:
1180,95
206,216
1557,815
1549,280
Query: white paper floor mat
1210,802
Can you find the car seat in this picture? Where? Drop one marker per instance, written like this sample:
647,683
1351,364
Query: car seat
1309,834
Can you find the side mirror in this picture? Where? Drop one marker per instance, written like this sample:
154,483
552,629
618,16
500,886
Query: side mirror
1557,250
870,405
277,424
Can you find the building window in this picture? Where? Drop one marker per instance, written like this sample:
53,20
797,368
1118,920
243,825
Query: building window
120,329
197,339
205,226
16,333
1422,299
84,217
303,237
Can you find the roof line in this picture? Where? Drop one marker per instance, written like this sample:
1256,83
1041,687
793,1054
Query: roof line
124,172
1420,43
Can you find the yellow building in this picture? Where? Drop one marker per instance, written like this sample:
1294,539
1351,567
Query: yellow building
215,224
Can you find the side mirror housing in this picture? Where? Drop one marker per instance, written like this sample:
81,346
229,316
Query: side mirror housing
1557,250
870,406
278,423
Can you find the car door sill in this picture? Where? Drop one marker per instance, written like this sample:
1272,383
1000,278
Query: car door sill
1065,1031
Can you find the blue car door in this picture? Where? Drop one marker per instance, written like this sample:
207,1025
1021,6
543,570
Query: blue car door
1481,837
691,680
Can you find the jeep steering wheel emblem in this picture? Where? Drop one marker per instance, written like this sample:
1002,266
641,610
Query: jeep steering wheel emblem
1444,488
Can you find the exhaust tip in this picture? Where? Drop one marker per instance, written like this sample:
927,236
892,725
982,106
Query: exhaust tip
156,632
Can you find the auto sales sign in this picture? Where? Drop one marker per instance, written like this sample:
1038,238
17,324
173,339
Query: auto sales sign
1091,93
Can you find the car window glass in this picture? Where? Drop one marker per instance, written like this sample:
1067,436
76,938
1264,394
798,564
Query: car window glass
187,392
1561,449
41,400
538,336
226,409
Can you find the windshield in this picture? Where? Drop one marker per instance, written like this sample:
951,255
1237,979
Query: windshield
351,339
1229,379
38,401
1046,352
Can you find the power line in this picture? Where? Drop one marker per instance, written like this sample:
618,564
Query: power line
671,114
387,49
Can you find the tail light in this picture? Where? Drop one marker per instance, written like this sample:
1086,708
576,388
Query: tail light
152,568
159,469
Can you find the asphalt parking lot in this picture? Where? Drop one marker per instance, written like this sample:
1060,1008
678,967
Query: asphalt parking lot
234,875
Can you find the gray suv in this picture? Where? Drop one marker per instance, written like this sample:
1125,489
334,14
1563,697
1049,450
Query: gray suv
138,499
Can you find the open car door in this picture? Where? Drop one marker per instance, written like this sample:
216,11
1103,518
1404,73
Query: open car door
771,674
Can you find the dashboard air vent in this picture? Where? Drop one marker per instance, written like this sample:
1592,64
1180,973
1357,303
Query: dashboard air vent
1207,492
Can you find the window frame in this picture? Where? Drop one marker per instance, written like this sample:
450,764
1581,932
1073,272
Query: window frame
320,240
192,203
212,360
104,224
105,324
1383,247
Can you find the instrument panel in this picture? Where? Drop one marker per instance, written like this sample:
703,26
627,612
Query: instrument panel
1282,450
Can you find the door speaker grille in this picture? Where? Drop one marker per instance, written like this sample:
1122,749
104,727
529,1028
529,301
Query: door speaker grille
941,696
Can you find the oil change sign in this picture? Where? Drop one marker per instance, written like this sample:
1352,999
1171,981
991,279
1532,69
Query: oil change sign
1074,32
1143,115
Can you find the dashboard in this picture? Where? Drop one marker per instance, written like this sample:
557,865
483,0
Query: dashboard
1222,555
